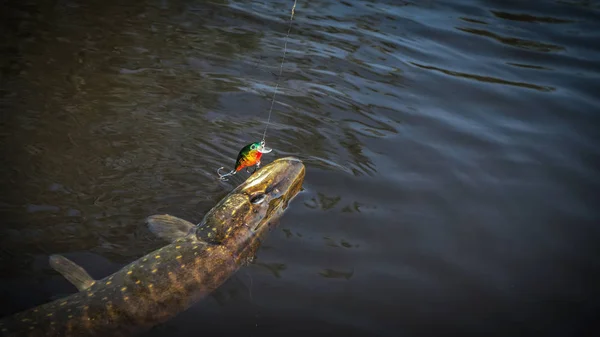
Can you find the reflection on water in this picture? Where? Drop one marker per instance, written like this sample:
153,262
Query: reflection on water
330,273
275,268
451,149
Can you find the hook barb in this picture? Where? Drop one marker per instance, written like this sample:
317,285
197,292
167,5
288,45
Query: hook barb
223,175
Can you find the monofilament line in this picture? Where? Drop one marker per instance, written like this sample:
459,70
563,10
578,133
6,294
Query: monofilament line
280,72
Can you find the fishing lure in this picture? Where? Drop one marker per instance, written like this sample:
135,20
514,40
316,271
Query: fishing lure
249,156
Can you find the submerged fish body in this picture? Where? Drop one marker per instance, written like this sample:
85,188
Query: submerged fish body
136,297
167,281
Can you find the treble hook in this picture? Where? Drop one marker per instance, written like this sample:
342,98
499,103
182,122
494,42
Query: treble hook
222,176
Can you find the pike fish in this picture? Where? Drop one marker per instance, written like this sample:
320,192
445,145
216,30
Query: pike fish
167,281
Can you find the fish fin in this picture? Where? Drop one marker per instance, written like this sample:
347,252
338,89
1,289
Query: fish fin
71,271
169,227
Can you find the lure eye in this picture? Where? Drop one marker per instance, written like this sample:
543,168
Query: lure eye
253,147
257,199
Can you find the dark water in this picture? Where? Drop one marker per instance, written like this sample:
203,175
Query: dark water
451,150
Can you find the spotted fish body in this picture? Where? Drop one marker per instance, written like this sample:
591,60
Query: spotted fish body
167,281
140,295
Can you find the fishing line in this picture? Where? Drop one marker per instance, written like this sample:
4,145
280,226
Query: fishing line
250,154
280,71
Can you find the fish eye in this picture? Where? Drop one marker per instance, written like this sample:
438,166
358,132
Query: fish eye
253,147
257,199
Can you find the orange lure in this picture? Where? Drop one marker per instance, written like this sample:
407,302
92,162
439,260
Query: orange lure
249,156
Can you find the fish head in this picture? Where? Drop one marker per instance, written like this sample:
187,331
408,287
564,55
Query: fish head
270,189
246,214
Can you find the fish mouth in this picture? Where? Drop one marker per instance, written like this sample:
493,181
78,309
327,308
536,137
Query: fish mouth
276,178
291,173
278,182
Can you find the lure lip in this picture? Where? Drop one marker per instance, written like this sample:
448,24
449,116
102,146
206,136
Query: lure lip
262,148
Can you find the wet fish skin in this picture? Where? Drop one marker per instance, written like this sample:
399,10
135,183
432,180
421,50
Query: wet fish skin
167,281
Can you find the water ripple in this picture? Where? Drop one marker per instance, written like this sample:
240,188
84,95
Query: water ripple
451,154
515,42
485,78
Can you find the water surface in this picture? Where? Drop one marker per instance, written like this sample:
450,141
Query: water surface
451,151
